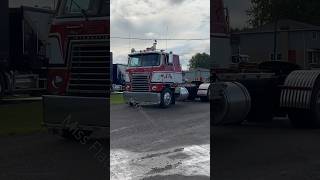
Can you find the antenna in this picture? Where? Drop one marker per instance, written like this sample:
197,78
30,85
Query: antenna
167,38
154,47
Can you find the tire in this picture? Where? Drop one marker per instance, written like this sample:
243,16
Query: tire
192,93
300,118
173,102
191,98
166,98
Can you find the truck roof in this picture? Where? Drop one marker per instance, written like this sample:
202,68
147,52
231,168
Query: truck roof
149,52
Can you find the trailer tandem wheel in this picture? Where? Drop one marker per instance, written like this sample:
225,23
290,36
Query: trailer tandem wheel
300,95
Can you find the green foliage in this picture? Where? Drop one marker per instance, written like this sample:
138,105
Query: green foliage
265,11
116,99
26,118
200,60
22,118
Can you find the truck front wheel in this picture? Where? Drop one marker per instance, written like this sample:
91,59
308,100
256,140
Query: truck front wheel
166,98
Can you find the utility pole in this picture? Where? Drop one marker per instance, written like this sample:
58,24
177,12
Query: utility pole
54,4
275,39
167,38
275,19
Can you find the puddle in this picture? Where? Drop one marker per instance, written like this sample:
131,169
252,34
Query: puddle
186,161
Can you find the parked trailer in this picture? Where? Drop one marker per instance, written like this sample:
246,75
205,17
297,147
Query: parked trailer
197,83
24,36
118,76
196,75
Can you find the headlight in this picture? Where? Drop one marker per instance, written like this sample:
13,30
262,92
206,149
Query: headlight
128,87
57,81
154,88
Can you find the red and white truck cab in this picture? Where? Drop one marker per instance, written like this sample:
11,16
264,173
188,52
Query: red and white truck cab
78,47
153,78
79,67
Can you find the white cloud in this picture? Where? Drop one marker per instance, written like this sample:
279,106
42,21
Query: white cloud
160,19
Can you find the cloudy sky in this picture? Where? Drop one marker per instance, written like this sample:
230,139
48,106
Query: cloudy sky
160,19
185,19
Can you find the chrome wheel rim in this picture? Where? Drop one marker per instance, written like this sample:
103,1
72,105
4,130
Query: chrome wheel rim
167,98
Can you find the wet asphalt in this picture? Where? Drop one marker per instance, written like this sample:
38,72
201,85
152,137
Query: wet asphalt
153,143
146,143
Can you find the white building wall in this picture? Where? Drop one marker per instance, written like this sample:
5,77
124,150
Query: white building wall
221,49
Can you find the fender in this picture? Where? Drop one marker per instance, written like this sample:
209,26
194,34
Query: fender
203,90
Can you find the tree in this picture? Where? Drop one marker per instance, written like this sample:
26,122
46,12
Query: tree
200,60
265,11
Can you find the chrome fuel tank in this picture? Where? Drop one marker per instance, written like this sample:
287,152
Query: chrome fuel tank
231,103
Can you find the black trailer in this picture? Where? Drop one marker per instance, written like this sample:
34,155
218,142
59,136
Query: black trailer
4,34
118,76
24,32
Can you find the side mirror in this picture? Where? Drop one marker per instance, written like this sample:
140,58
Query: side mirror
170,58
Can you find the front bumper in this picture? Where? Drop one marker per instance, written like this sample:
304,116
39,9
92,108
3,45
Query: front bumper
60,112
142,98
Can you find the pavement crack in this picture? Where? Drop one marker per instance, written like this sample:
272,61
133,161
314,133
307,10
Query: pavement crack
157,170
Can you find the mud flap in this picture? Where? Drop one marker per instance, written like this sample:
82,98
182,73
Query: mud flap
85,112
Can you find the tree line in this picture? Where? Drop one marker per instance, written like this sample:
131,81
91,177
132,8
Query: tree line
262,12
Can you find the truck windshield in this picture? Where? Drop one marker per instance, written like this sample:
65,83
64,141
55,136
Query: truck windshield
78,8
144,60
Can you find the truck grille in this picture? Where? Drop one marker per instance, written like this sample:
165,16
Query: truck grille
90,69
140,82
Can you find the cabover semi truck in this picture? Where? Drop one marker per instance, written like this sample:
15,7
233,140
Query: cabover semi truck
153,77
80,63
23,37
260,92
